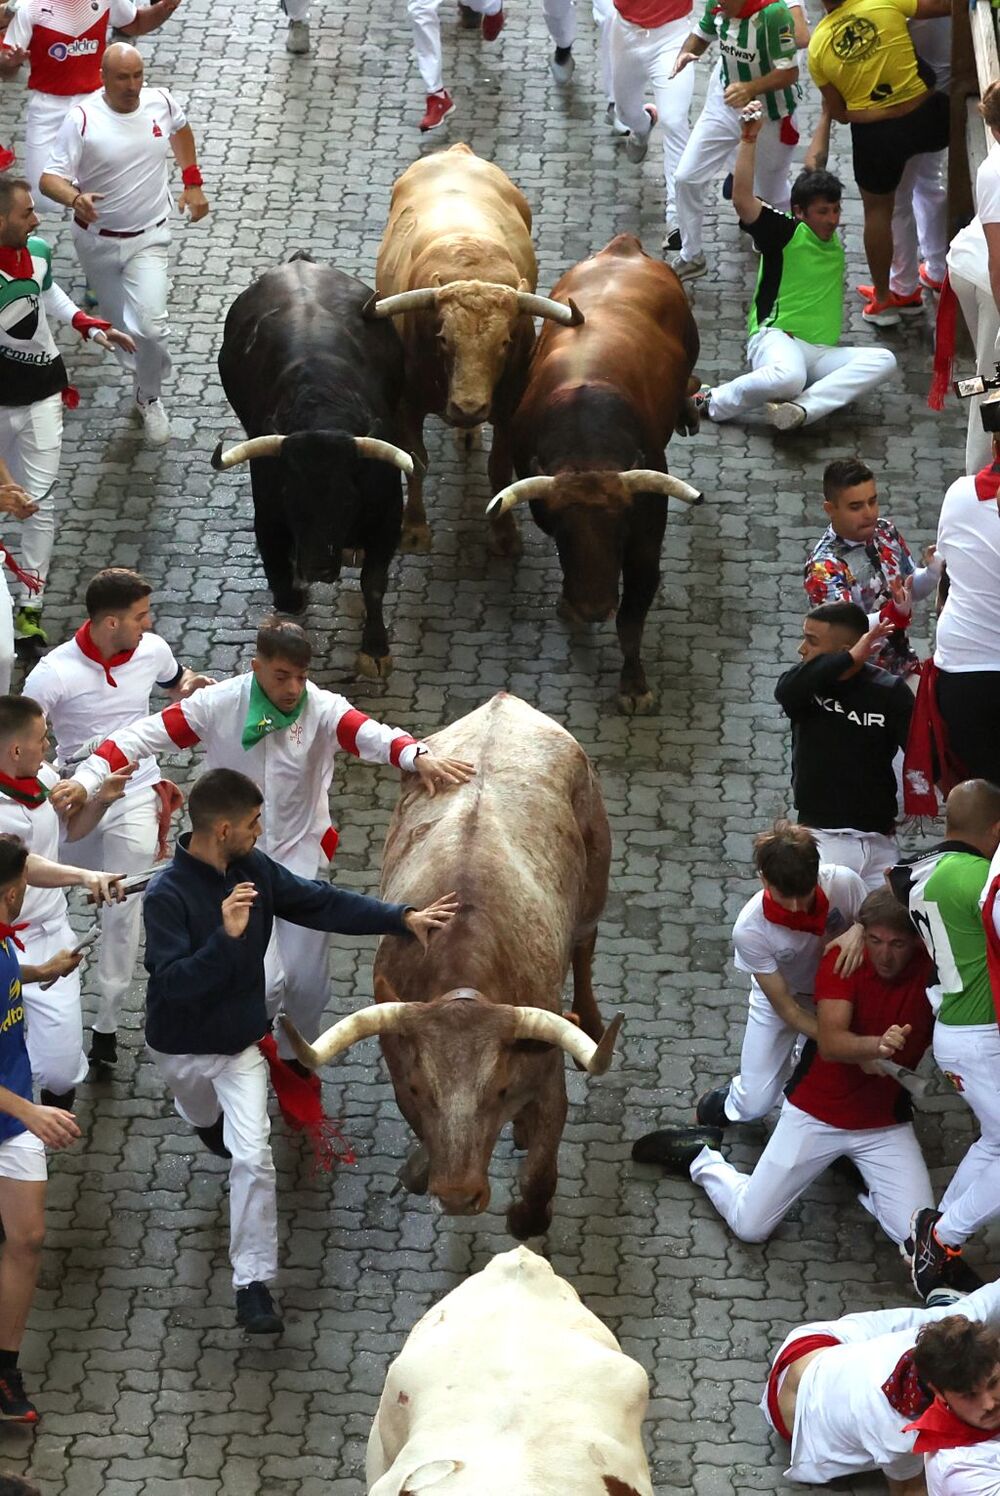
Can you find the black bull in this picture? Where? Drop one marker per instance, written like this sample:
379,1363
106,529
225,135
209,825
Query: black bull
298,362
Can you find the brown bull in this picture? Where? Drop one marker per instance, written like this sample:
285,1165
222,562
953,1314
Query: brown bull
602,401
472,1029
457,266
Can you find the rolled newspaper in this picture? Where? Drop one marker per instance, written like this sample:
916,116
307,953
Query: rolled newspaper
751,112
908,1079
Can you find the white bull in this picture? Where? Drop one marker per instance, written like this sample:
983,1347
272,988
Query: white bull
510,1387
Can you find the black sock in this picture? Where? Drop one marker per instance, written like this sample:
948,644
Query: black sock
8,1360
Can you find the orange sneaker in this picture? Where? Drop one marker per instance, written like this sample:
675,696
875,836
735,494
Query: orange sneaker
926,279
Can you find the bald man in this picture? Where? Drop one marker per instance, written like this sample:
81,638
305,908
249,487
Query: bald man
944,890
110,166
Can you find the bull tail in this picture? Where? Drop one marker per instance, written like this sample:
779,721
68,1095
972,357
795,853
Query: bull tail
300,254
304,1052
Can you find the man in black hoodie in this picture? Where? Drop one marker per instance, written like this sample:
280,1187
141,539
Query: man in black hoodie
208,920
849,720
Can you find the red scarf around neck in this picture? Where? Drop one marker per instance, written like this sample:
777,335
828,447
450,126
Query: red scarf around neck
16,263
9,932
87,646
27,790
812,921
939,1428
988,483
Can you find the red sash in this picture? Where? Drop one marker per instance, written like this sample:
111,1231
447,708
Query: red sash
792,1351
928,759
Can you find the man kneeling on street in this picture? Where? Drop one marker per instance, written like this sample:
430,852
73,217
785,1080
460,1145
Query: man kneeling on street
208,919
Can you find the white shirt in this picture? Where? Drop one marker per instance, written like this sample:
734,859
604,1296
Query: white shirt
968,541
968,255
123,156
73,692
292,766
39,830
973,1470
759,945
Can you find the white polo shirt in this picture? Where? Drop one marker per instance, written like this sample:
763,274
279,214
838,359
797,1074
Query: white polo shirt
971,1470
759,945
39,830
968,542
81,706
122,156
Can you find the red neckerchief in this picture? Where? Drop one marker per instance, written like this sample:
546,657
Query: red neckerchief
813,921
988,483
992,943
939,1428
904,1390
28,790
16,263
87,646
9,932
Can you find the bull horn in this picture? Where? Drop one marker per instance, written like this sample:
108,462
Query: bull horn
553,1028
378,1018
517,493
257,446
648,480
567,312
394,306
370,446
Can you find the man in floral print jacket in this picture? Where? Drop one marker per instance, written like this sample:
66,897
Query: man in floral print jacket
863,559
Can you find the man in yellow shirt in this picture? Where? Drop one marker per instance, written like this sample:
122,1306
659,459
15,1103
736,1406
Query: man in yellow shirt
863,62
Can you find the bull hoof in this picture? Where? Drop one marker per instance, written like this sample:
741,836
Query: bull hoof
505,543
524,1221
352,558
373,667
569,615
636,703
294,600
415,540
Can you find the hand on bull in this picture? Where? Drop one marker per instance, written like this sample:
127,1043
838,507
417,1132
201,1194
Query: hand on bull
236,909
423,922
440,773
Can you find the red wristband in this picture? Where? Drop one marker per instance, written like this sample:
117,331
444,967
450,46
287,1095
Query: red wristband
83,323
192,177
890,613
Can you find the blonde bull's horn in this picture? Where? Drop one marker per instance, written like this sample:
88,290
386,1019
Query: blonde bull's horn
553,1028
517,493
378,1018
370,446
648,480
403,301
257,446
567,312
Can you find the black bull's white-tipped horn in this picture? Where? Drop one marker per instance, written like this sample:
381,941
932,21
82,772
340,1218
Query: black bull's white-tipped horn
379,451
387,1018
270,446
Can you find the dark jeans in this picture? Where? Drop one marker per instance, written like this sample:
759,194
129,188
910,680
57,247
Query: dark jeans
969,703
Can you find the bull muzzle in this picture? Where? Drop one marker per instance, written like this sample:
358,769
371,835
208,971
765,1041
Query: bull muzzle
461,1198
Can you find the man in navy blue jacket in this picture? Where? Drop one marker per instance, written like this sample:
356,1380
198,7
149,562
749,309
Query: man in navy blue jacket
208,921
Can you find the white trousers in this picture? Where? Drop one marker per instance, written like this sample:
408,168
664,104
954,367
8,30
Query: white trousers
769,1047
6,630
203,1085
920,222
123,841
426,22
983,321
603,12
42,121
297,10
130,278
867,853
560,19
642,60
797,1152
819,378
54,1020
707,155
31,446
296,963
970,1058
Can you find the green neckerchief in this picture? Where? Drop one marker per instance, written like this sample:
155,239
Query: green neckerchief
264,717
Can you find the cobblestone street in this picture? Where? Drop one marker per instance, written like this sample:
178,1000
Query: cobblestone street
145,1386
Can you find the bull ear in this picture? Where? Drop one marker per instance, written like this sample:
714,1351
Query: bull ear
384,992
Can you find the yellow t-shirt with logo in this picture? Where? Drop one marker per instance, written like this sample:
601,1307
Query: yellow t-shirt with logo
864,49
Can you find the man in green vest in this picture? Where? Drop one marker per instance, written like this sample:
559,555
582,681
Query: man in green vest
798,372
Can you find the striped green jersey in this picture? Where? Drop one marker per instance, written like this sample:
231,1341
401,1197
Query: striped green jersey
754,47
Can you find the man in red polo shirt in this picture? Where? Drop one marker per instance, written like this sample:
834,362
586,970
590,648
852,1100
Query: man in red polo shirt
840,1103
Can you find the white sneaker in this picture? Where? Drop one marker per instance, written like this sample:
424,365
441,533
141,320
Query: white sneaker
612,119
784,415
154,421
297,39
689,270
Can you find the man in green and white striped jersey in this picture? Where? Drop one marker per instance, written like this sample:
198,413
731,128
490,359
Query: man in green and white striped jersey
757,42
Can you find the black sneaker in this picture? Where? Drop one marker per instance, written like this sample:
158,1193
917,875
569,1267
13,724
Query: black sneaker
255,1310
213,1139
64,1099
929,1266
104,1049
711,1108
960,1276
727,189
675,1148
14,1406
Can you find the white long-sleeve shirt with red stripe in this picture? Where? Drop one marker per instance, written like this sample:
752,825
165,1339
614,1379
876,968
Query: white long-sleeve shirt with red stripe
293,766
